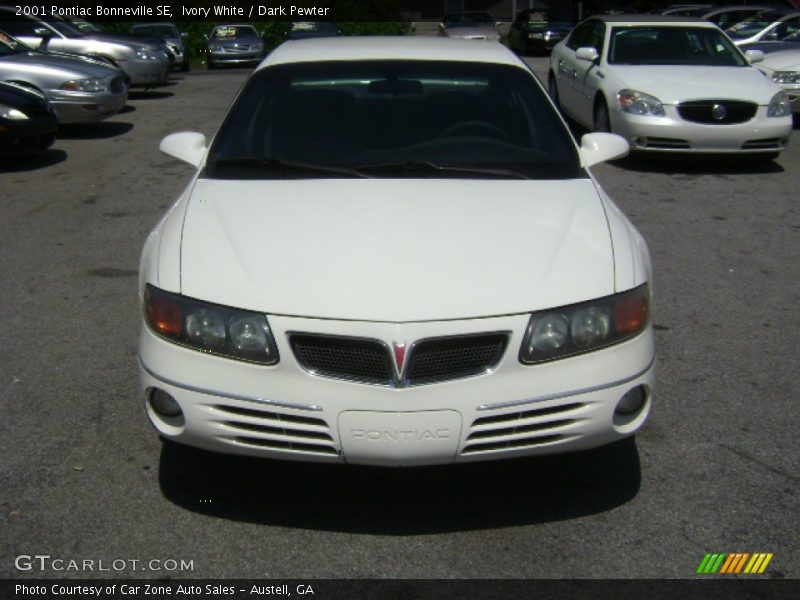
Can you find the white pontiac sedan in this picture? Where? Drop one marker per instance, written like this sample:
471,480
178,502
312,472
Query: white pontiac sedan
669,84
394,253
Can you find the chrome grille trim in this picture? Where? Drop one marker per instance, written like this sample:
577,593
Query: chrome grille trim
283,445
200,390
427,360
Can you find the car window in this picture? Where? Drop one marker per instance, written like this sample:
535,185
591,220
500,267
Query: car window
751,26
596,37
654,45
16,26
580,34
787,28
364,114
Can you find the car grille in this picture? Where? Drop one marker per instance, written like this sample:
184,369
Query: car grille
523,429
236,49
272,430
370,361
717,112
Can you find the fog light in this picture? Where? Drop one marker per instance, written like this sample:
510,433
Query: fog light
164,404
632,401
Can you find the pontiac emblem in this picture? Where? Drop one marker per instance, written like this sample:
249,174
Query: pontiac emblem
399,356
719,112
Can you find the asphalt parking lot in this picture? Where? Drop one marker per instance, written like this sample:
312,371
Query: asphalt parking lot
84,476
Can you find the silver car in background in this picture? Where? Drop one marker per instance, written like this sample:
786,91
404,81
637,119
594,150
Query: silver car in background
469,25
234,45
170,34
784,69
142,65
80,90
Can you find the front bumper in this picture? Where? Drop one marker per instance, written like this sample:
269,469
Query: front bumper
80,107
285,412
146,72
672,134
235,58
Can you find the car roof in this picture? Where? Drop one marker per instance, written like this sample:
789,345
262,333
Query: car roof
390,48
647,19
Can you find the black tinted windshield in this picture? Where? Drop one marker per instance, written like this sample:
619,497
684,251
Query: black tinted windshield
673,46
403,118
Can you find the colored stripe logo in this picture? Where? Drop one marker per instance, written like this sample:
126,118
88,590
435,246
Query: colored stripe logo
734,563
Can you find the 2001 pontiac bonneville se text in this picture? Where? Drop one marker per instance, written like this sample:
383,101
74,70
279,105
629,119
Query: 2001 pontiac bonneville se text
394,253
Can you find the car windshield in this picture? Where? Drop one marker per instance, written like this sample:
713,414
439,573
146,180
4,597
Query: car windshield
476,19
65,29
156,31
654,45
393,119
231,32
752,25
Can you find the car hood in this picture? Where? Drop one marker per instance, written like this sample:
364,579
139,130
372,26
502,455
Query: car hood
468,32
125,39
44,63
395,250
786,60
672,84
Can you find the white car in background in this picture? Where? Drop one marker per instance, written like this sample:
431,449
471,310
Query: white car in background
669,84
394,253
783,67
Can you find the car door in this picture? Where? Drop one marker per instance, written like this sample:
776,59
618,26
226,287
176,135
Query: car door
565,66
589,75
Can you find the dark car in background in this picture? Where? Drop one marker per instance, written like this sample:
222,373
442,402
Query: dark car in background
168,32
533,32
235,44
28,122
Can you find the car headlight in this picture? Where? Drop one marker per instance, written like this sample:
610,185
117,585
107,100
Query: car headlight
12,114
229,332
84,85
143,53
584,327
258,46
779,106
786,77
639,103
215,47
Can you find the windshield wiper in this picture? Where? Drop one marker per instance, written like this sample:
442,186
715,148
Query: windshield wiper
277,165
416,167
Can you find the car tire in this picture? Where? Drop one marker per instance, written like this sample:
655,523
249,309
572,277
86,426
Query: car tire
602,122
552,90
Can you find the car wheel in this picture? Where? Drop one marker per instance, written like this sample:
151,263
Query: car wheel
601,121
552,90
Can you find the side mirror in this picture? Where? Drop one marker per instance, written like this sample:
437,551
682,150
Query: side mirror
187,146
586,53
601,147
42,32
497,24
754,56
